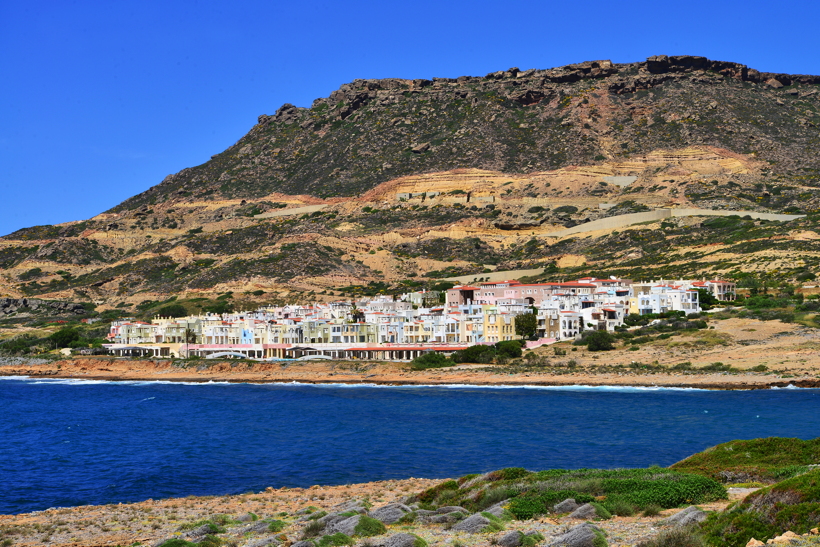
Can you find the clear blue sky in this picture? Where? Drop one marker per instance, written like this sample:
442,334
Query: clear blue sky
101,100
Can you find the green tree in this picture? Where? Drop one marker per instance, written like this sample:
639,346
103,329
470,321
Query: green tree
526,325
600,340
172,310
64,337
431,359
706,299
509,348
475,354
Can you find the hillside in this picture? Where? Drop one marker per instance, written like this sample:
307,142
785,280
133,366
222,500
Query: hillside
371,131
395,184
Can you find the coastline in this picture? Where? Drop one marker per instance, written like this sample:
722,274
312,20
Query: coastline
150,522
391,374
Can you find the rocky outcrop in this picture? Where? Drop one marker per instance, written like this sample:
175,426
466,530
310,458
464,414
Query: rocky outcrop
390,513
19,305
690,515
582,535
586,511
400,540
307,150
566,506
473,524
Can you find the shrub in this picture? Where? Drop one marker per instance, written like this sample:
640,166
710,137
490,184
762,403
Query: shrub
619,507
532,539
652,510
172,310
532,494
766,459
716,367
176,542
64,337
683,536
431,359
533,503
601,511
312,530
475,354
496,525
509,348
335,540
600,340
430,495
368,527
276,526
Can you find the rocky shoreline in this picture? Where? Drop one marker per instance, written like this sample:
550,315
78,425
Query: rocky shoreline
245,520
387,374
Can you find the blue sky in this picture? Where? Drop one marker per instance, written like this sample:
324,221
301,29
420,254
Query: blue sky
101,100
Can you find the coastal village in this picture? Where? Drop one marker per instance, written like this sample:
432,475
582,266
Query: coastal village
398,328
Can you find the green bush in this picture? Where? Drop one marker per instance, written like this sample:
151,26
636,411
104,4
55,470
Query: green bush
532,539
475,354
175,542
533,503
368,527
600,340
64,337
313,529
683,536
601,511
793,504
496,525
532,494
619,507
432,359
172,310
509,348
765,460
652,510
335,540
276,525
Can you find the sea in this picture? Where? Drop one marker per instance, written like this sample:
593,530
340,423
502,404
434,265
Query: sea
73,442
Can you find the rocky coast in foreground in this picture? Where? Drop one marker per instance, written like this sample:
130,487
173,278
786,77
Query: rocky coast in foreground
152,522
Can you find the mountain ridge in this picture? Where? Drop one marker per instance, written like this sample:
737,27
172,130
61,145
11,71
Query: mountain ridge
390,185
370,131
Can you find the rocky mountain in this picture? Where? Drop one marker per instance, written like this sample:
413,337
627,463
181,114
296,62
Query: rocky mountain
514,121
395,184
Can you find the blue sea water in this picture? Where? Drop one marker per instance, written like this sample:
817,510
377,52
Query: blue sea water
66,443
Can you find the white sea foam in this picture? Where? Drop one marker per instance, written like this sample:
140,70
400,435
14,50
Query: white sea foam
370,385
67,381
581,388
